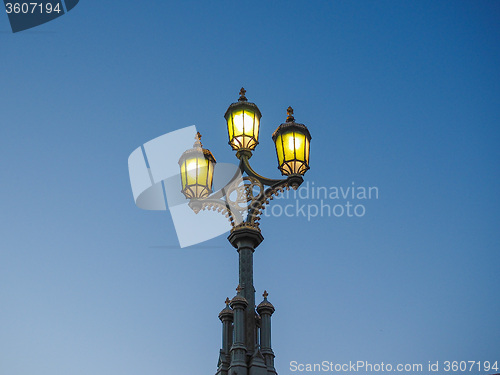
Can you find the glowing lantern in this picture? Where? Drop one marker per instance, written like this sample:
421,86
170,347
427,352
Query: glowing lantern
243,120
292,142
197,171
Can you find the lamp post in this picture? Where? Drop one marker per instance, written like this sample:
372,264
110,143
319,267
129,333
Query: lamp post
246,329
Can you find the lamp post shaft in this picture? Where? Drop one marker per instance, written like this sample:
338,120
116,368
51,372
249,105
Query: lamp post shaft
245,251
245,240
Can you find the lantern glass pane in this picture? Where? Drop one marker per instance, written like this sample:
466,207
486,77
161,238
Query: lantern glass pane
183,174
202,170
280,150
230,127
256,123
203,173
306,150
191,170
210,175
299,140
243,129
241,121
289,146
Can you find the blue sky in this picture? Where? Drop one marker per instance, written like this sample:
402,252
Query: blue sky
404,96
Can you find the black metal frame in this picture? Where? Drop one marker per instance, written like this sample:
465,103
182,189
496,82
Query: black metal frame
253,203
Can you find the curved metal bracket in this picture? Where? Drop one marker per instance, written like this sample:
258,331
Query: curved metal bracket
222,202
245,164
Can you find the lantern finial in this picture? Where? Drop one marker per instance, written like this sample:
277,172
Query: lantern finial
197,142
290,117
227,301
265,294
242,98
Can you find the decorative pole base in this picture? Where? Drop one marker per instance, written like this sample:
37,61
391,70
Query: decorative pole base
250,353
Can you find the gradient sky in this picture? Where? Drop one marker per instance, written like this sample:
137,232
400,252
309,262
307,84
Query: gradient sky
404,96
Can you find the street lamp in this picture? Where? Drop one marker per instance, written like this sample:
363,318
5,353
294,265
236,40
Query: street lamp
243,121
197,171
292,146
246,328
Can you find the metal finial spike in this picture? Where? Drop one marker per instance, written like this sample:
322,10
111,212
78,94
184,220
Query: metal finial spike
227,301
242,98
265,294
197,142
239,289
289,112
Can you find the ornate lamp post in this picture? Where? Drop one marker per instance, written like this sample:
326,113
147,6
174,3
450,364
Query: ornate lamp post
246,329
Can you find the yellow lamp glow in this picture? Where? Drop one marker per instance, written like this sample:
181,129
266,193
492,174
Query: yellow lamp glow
243,120
292,142
197,169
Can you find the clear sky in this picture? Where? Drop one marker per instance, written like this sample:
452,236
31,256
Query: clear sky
403,96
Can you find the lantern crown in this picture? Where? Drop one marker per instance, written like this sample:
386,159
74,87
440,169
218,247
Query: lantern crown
290,124
242,103
197,149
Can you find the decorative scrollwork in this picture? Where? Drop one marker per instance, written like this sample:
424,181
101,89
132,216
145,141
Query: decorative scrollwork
244,193
246,196
269,195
